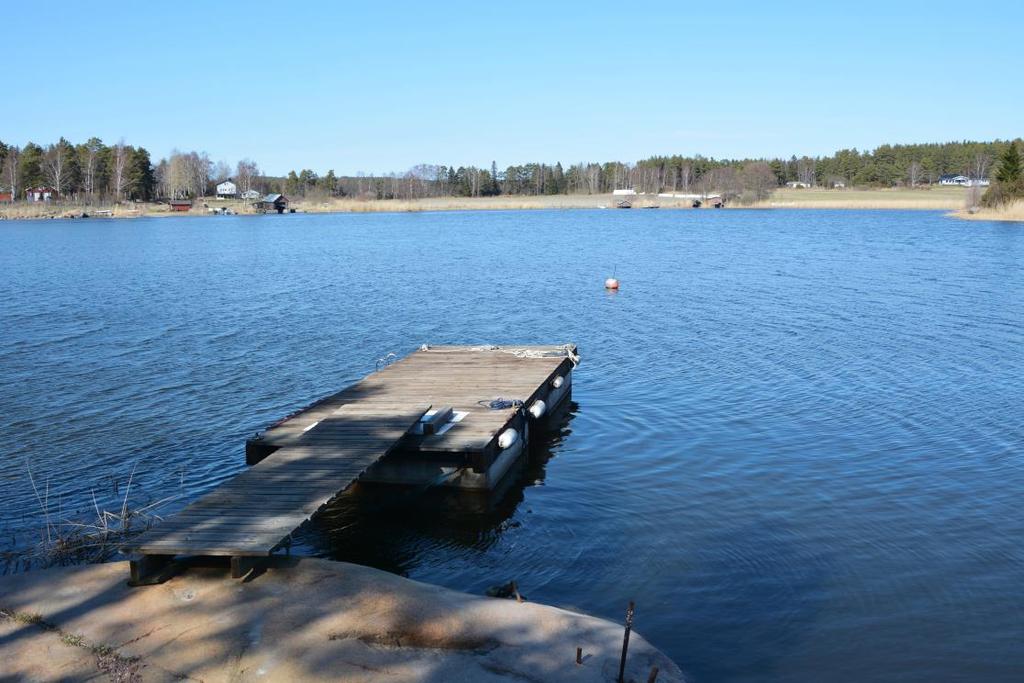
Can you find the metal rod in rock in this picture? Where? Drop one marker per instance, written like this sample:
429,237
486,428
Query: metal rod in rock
653,676
579,655
625,641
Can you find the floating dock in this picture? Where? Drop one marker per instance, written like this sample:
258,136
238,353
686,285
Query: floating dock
454,416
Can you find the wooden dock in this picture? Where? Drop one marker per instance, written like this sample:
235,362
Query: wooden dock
461,411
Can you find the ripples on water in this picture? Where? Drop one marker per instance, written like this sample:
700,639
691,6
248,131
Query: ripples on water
795,440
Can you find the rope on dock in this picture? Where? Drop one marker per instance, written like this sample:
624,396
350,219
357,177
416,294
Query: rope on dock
386,360
573,357
502,403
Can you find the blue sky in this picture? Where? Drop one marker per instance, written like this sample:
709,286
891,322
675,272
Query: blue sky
378,87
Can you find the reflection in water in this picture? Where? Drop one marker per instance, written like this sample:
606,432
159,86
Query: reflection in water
383,526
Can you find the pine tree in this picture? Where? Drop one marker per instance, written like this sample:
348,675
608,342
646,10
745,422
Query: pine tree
1009,172
1009,180
30,164
141,178
291,184
329,183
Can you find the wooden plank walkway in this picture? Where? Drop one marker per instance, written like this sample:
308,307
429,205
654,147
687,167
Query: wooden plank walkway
255,512
466,378
304,461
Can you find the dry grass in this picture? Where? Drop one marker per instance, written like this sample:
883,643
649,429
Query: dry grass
1008,212
36,210
33,210
502,203
933,198
75,537
27,210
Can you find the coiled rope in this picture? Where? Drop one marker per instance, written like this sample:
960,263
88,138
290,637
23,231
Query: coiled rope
567,349
386,360
501,403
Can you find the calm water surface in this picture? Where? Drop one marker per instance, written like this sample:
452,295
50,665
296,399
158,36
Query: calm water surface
796,438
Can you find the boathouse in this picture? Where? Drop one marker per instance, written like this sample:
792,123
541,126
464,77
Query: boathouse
180,204
227,190
6,197
273,202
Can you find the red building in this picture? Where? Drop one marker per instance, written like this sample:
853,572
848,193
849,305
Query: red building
5,198
40,194
181,204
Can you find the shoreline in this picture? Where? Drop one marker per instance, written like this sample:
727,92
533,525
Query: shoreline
301,619
1009,213
949,199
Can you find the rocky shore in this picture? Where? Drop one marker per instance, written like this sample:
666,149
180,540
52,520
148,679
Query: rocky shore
307,619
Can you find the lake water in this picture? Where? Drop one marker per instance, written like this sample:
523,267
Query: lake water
795,440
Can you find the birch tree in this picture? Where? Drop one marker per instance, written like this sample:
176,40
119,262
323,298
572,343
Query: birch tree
758,180
686,176
10,170
198,169
806,169
120,169
915,173
221,172
246,173
89,155
58,165
979,165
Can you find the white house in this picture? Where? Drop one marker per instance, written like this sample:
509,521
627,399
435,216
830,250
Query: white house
795,184
624,193
251,194
227,190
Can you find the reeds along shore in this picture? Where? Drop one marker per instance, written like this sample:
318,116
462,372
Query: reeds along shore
82,531
952,199
1013,211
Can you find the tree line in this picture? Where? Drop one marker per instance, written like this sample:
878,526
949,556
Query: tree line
93,171
745,179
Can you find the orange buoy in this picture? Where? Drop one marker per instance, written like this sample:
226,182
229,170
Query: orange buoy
611,283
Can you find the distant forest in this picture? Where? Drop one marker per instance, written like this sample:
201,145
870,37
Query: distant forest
94,171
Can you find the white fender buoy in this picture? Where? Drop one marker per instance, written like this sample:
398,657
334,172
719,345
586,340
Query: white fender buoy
537,408
611,283
507,438
557,382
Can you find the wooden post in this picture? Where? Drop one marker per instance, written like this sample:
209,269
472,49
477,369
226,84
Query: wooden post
625,641
241,565
653,676
147,570
579,655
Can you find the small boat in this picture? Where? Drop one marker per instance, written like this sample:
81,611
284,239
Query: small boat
624,204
